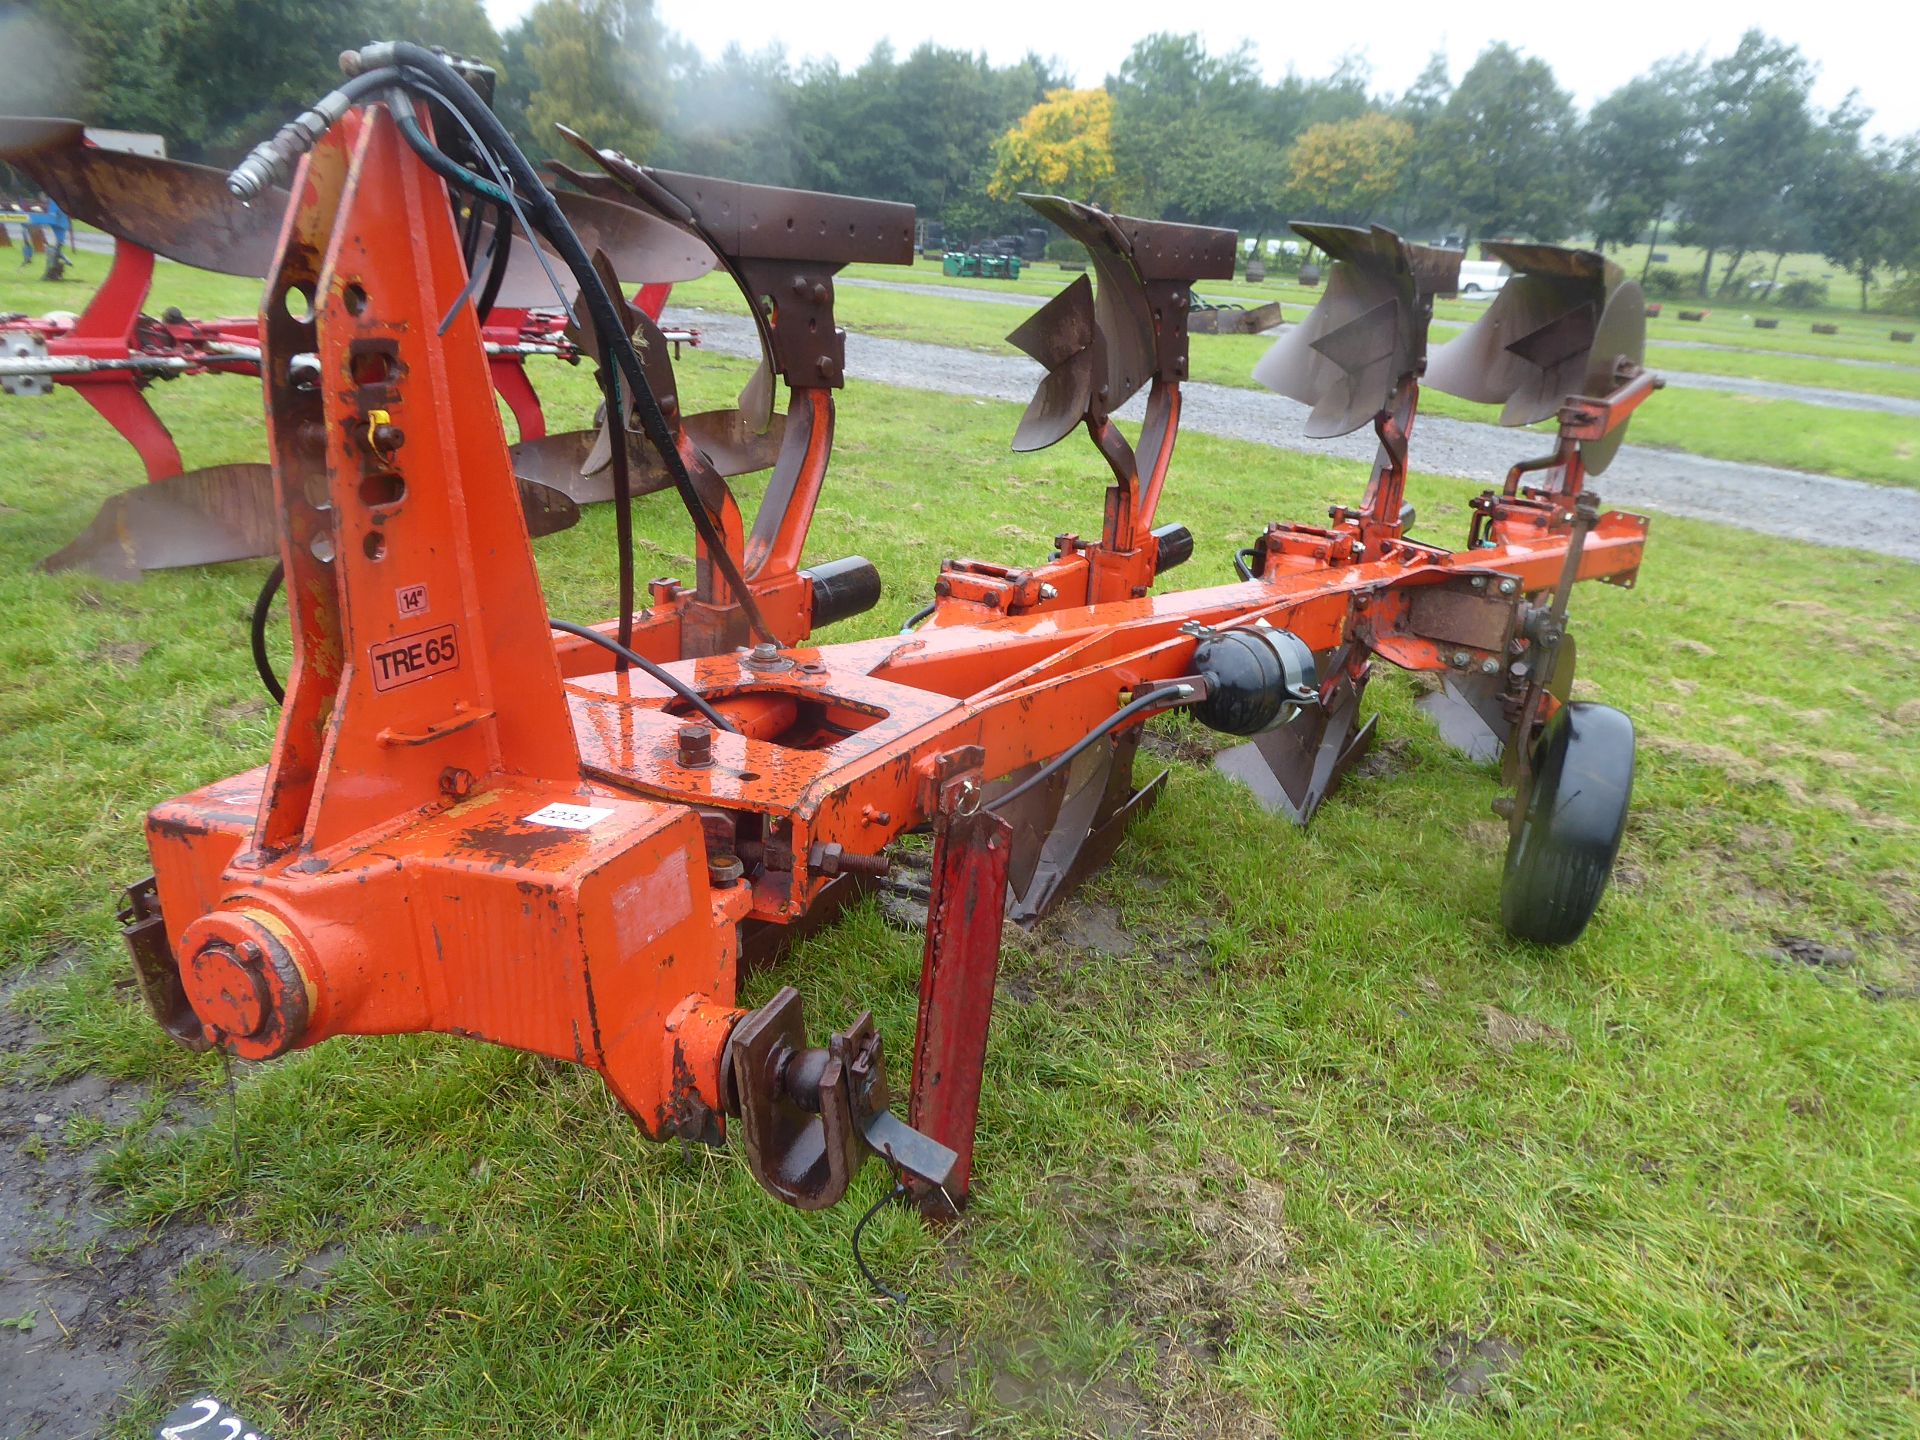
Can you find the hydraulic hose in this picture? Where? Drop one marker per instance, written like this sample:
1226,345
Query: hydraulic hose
1167,697
552,223
640,662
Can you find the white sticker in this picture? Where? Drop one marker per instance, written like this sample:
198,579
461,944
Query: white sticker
412,599
569,817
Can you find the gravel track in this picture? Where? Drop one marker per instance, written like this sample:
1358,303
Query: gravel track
1880,518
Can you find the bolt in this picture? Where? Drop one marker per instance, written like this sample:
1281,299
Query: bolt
831,858
1461,659
696,747
455,783
388,438
1519,669
1489,667
1047,592
1479,582
766,656
1509,585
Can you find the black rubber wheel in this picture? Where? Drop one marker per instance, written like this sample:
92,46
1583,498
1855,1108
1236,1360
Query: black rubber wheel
1561,856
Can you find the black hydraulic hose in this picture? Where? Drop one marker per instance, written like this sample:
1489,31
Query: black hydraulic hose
262,661
622,494
634,658
470,234
457,174
552,223
914,620
1167,697
497,272
272,159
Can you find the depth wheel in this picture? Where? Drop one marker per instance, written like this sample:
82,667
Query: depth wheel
1561,854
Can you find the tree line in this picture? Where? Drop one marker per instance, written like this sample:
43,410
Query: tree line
1729,153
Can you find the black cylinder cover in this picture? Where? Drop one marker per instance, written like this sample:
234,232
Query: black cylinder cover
842,588
1256,675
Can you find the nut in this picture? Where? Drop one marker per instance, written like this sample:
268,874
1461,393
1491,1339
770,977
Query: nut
696,747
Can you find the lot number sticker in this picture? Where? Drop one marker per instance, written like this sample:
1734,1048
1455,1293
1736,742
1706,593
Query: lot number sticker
569,817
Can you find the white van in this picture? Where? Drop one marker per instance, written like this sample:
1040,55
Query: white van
1483,277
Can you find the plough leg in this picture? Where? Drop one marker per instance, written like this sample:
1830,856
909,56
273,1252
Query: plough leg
960,964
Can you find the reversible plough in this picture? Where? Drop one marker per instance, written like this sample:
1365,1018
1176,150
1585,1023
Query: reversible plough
572,839
112,352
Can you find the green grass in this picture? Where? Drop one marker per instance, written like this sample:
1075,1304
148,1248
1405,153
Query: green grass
1787,369
1242,1179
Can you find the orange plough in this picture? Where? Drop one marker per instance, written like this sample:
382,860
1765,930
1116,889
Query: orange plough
572,842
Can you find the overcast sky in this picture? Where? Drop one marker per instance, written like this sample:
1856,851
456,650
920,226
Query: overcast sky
1592,47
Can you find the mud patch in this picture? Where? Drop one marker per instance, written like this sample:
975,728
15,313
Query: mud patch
82,1292
1466,1371
122,652
1089,926
1195,744
1187,1248
1506,1033
1384,757
1743,769
968,1386
1815,954
1182,1249
237,717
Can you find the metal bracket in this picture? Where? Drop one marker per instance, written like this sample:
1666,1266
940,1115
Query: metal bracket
808,1116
